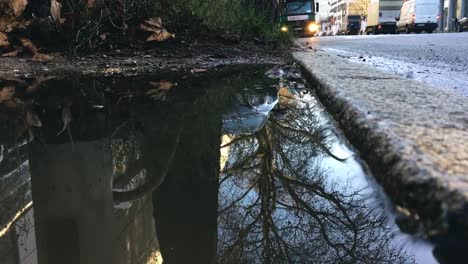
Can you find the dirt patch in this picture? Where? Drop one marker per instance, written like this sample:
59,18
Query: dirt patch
175,56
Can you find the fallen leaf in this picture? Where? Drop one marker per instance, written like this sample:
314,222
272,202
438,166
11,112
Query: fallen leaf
150,29
4,43
55,8
66,118
32,120
41,57
27,43
6,93
155,22
12,53
163,85
161,36
155,26
18,6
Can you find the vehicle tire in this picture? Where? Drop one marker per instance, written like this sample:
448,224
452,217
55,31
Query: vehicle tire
407,30
459,27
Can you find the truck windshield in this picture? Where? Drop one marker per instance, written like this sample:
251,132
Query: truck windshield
354,18
299,7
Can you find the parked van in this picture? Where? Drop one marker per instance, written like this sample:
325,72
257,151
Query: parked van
418,15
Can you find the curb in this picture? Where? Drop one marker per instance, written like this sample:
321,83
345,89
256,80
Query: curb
397,165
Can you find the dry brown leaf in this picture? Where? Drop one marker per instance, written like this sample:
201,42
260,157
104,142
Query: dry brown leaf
155,22
161,36
13,53
4,40
66,118
41,57
6,93
27,43
150,29
163,85
55,8
18,6
32,120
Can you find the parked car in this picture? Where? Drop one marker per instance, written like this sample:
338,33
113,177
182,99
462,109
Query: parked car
418,15
462,24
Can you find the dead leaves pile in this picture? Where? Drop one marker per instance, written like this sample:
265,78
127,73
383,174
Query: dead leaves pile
18,6
4,43
25,118
28,46
6,93
157,30
12,20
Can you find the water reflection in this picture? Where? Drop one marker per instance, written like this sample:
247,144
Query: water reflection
231,167
277,205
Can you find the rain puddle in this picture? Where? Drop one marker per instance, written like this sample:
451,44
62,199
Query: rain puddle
229,166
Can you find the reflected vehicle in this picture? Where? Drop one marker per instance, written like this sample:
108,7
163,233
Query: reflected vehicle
462,24
251,111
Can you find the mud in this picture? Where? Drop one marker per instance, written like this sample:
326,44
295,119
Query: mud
182,56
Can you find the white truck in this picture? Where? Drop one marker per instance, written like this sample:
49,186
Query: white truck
381,16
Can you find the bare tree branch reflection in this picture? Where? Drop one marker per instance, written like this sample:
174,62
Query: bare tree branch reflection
277,206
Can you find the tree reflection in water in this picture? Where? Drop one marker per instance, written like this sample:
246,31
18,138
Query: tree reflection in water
276,204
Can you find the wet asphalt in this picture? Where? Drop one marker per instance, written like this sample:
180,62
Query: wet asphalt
437,49
439,60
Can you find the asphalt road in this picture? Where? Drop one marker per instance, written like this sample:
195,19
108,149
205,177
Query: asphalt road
440,60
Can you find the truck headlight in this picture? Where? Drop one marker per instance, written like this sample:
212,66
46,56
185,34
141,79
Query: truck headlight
284,29
313,27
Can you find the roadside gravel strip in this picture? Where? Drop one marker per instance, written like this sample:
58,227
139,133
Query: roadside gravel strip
413,137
